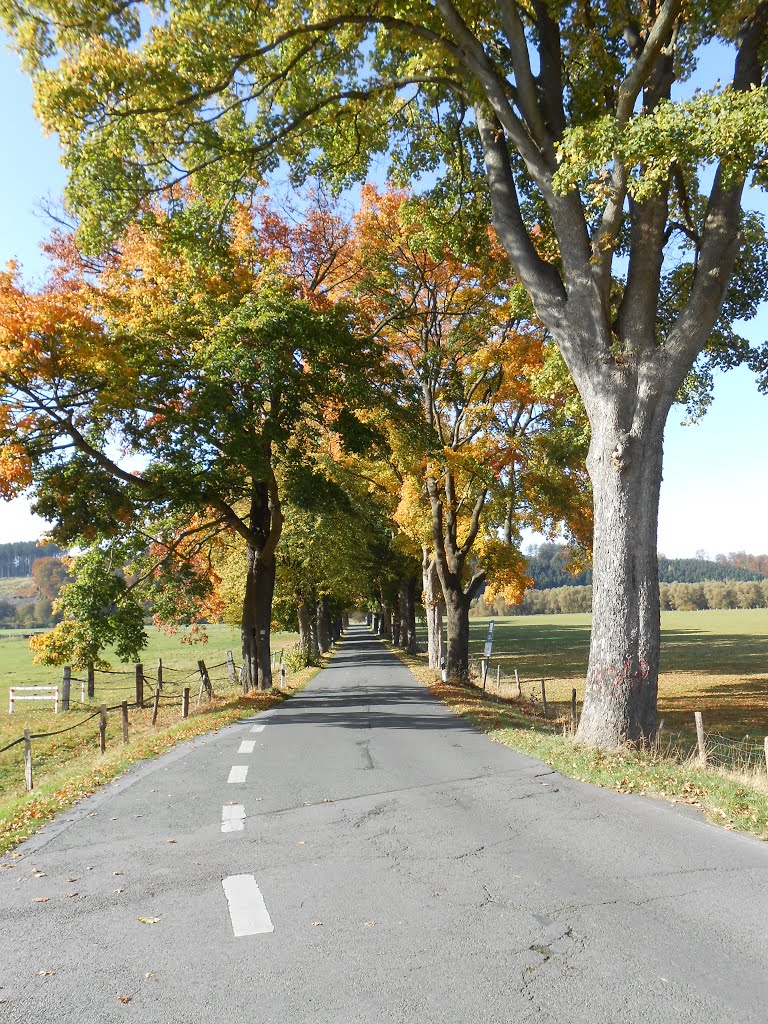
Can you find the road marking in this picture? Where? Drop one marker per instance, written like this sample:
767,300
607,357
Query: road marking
246,747
258,728
232,818
247,909
237,773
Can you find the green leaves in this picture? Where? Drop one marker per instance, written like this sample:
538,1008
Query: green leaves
728,126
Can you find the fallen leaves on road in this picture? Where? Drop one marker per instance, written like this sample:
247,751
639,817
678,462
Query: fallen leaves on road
149,974
149,920
40,899
45,974
124,999
118,890
170,840
69,895
317,924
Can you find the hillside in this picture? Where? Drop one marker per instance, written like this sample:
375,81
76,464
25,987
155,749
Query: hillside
547,567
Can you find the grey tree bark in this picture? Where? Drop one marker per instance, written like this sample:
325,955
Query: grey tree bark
450,560
262,535
433,596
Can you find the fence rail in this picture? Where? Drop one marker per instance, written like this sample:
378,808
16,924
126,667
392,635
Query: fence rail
166,686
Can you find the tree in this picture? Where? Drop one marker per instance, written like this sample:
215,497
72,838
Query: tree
49,574
576,119
198,357
484,393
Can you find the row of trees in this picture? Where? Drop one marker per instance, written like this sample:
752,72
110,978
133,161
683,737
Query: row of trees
714,594
615,190
284,385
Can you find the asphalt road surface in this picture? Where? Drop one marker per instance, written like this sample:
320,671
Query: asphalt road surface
363,855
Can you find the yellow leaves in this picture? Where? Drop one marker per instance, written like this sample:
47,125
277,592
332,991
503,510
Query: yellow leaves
412,514
15,470
506,567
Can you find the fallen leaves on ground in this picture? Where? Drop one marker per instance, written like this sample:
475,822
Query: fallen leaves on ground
149,920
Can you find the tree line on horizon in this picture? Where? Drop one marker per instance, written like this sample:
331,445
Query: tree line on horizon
552,565
708,594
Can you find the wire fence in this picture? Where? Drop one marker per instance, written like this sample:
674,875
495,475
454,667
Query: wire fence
147,690
746,755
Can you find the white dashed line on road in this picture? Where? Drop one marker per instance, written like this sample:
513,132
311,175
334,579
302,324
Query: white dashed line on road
247,909
258,728
246,747
237,773
232,818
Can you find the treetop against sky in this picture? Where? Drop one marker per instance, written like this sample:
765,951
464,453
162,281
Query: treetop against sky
723,438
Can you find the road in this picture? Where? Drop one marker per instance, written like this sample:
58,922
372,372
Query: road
389,863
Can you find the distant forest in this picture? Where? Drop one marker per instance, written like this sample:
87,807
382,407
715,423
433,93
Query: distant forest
547,568
16,559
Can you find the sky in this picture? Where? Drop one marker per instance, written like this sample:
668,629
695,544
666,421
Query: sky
714,497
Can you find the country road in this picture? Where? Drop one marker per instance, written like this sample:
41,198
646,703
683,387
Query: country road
363,855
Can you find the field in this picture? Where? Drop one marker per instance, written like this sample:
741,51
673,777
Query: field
715,662
179,658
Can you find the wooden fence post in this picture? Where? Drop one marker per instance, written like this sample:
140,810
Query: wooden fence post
156,706
765,746
231,668
700,739
519,687
124,716
159,673
205,678
27,760
282,673
498,678
544,699
91,680
66,685
185,702
574,719
659,731
139,685
484,670
103,729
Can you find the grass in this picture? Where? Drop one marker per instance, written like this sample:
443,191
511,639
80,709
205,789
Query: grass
70,766
17,586
715,662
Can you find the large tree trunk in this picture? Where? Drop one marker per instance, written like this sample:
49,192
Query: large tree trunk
265,589
397,621
432,597
305,628
249,673
256,619
385,623
622,678
457,638
324,624
408,615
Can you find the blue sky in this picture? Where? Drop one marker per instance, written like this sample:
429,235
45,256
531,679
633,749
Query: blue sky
715,492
